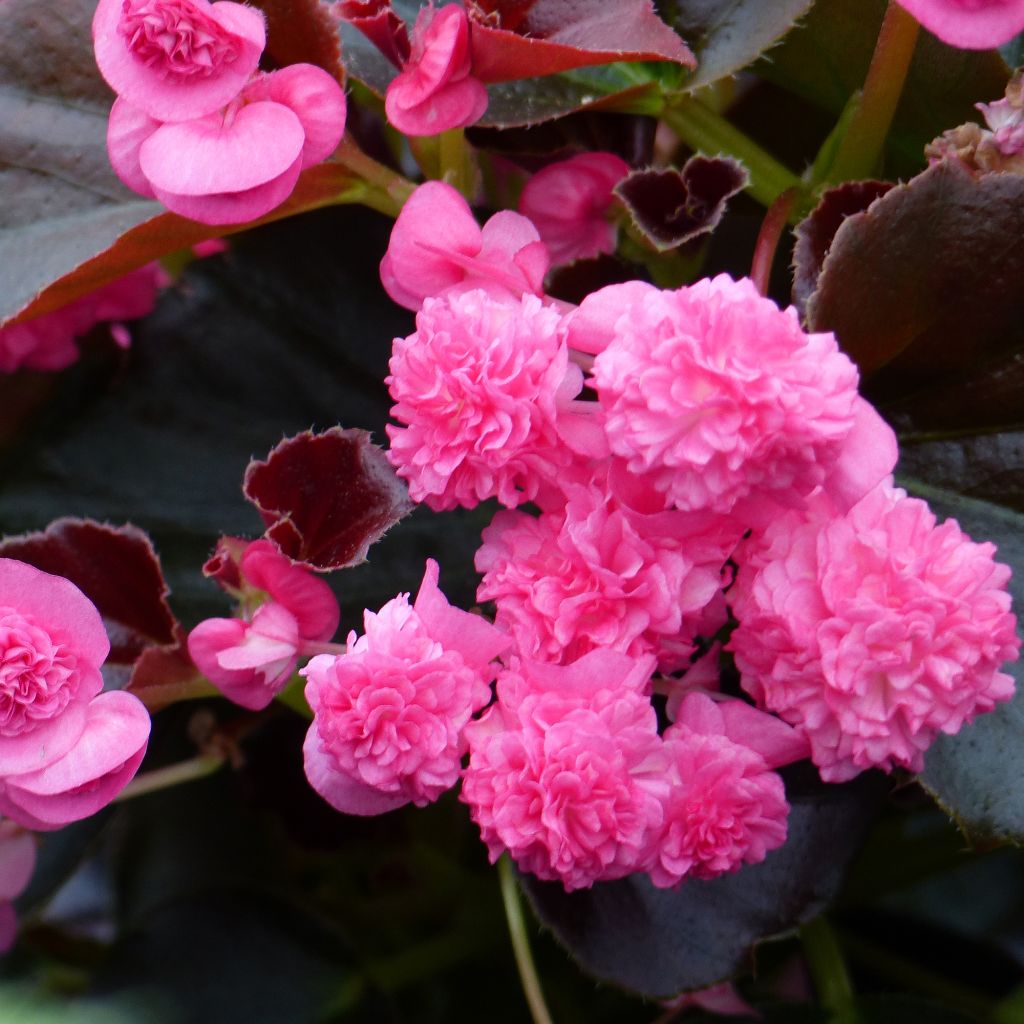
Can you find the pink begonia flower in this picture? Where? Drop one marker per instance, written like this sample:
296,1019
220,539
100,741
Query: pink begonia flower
250,661
969,24
436,90
437,244
568,202
566,769
177,59
477,389
66,749
48,341
722,398
389,715
597,574
235,164
872,632
17,862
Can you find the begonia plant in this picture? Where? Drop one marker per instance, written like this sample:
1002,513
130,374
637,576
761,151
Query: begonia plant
512,509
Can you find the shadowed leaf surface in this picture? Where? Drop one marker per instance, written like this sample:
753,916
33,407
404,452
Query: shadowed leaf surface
659,942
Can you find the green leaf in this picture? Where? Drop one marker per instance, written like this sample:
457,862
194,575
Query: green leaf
826,59
727,35
660,941
977,774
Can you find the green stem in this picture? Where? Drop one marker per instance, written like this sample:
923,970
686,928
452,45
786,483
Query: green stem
173,775
706,131
386,191
521,943
456,162
825,960
768,238
861,149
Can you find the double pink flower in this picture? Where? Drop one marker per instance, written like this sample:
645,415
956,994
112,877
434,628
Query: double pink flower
196,125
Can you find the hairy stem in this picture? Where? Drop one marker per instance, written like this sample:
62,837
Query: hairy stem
385,190
521,943
768,237
825,960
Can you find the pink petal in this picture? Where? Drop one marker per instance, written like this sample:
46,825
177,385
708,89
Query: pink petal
454,629
970,26
341,791
17,862
96,769
58,606
867,457
176,100
437,215
49,740
234,207
306,596
314,97
592,326
778,743
127,129
211,155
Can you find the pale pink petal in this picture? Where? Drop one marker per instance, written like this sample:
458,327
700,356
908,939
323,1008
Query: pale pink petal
969,24
127,129
454,629
592,326
94,771
213,154
341,790
865,459
234,207
314,97
166,95
49,740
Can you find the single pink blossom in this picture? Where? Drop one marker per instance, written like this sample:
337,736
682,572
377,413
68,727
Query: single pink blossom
477,389
565,770
436,90
569,203
389,715
725,808
66,749
596,574
17,862
177,59
49,341
872,632
251,660
721,397
969,24
237,163
437,244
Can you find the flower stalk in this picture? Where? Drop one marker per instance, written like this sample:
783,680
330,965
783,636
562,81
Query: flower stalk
521,943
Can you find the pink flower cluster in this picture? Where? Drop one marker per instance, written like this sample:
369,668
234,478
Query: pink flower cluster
665,437
195,124
66,747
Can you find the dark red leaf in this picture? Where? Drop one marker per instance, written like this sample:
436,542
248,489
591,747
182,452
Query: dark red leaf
814,233
674,206
559,35
927,281
302,32
116,568
222,565
327,497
